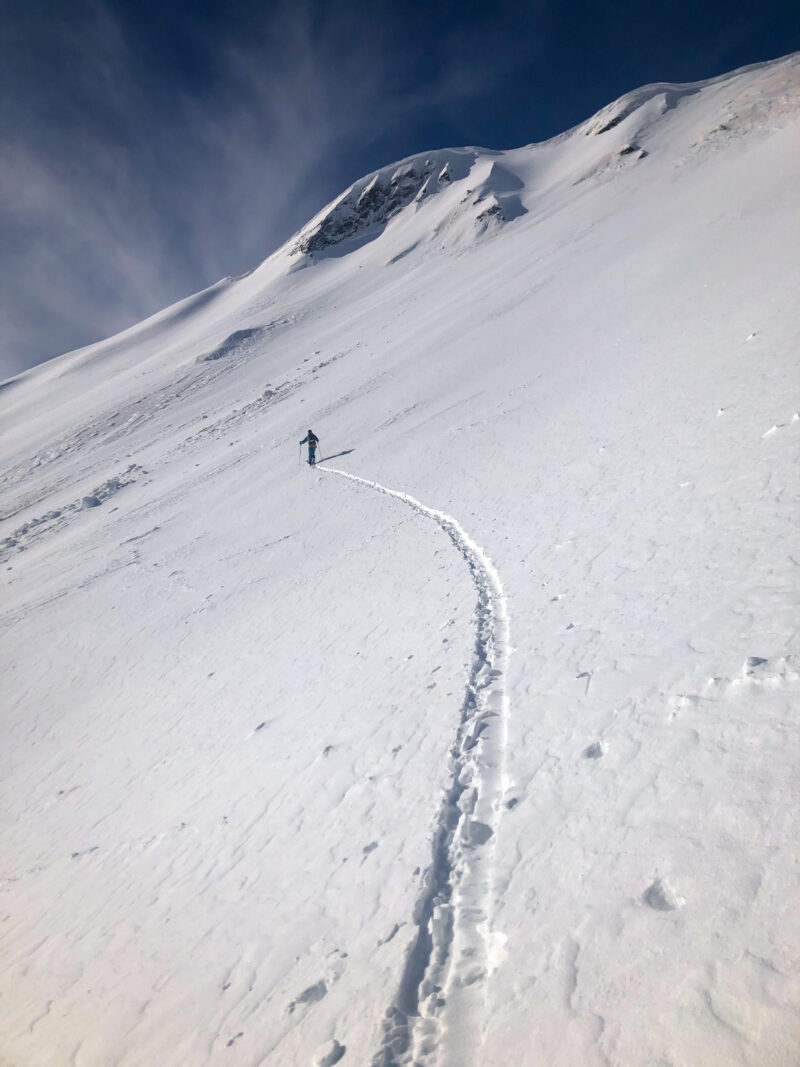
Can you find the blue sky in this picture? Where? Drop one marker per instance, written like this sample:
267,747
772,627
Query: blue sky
150,148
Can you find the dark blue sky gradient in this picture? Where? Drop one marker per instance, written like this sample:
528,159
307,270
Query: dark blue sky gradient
153,147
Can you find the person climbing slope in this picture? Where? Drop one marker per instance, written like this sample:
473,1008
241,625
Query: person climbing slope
313,441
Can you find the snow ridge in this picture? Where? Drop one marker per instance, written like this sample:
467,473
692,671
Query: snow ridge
437,1014
368,205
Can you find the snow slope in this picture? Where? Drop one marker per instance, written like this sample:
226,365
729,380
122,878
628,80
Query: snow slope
478,744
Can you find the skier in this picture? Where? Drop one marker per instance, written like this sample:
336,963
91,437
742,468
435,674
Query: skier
313,441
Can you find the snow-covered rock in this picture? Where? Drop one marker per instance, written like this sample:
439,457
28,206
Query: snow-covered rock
368,205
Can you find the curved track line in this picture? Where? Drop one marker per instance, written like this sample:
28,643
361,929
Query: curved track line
437,1017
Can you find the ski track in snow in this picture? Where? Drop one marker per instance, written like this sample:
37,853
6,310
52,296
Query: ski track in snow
437,1016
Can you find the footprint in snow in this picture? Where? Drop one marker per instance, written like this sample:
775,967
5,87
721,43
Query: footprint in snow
752,664
312,995
770,673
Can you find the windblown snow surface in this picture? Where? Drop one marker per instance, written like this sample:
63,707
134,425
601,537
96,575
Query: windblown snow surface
477,745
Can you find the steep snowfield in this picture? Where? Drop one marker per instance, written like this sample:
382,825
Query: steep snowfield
478,745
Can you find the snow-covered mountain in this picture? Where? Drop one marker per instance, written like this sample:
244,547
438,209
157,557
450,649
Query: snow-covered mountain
477,745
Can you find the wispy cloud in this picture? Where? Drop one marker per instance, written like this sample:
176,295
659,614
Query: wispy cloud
124,186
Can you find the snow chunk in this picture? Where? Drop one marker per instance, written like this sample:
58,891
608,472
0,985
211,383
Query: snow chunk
662,897
329,1054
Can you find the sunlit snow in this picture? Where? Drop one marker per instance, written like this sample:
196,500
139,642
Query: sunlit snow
475,746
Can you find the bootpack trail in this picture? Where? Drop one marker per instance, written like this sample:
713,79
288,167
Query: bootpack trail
437,1016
